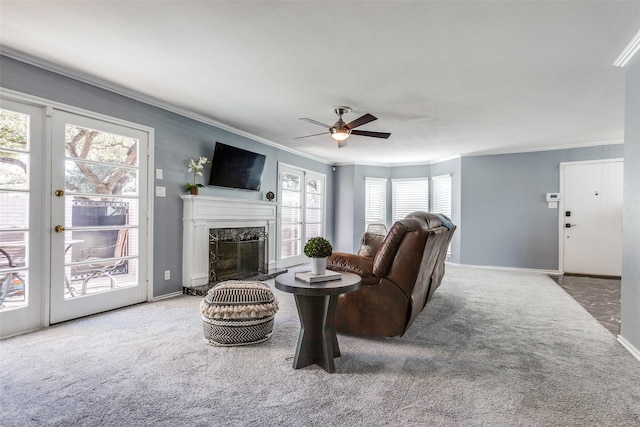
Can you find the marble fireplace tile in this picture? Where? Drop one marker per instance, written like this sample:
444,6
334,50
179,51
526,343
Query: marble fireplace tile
599,296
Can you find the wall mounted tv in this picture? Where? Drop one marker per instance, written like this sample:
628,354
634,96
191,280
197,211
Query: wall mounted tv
234,167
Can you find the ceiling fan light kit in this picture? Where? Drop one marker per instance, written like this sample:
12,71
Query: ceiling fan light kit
340,130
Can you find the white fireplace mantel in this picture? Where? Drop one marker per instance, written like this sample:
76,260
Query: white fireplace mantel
200,213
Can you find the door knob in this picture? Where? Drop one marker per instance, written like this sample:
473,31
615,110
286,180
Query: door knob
59,193
59,228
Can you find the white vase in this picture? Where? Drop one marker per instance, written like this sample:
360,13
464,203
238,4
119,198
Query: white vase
318,265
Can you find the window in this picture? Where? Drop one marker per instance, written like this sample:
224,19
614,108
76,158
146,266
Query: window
442,198
409,195
375,211
442,194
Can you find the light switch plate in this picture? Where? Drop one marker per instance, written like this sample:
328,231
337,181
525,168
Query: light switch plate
161,191
158,173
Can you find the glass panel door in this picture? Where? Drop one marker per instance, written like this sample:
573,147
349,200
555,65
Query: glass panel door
314,206
98,216
302,201
21,287
291,216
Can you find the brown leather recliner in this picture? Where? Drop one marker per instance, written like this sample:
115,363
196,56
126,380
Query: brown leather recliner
399,281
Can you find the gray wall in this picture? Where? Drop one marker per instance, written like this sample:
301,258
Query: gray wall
630,309
505,217
344,208
177,139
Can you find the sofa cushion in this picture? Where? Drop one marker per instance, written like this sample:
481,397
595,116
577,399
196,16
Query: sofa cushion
369,244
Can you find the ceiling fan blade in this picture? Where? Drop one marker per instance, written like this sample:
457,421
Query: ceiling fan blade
361,121
315,134
342,143
315,122
384,135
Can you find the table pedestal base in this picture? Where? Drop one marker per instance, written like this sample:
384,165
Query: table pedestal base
317,342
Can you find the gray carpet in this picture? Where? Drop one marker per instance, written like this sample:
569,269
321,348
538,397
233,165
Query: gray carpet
492,348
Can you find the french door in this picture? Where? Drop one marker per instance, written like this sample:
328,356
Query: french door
301,196
73,216
98,216
22,294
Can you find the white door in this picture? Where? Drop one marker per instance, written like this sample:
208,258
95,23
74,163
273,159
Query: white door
301,197
98,216
591,217
22,285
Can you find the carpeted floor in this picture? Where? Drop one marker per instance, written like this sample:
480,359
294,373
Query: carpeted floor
492,348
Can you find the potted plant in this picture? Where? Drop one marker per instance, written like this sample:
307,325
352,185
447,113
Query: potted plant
196,168
318,249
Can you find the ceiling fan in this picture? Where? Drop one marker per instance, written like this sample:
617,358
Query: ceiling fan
340,130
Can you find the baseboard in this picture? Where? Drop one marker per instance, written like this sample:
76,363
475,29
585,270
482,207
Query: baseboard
165,296
515,269
630,348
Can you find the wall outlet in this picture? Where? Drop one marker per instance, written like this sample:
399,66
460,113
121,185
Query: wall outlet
167,274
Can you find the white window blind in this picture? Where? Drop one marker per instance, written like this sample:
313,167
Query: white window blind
409,195
375,201
442,194
442,198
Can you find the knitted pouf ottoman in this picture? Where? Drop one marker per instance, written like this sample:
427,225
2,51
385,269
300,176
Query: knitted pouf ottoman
238,312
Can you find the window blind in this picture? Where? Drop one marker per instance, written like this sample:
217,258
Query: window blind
442,198
375,201
442,194
409,195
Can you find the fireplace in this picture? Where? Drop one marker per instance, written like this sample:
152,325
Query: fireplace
246,222
237,253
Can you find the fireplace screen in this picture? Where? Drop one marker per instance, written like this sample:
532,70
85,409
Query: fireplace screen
237,253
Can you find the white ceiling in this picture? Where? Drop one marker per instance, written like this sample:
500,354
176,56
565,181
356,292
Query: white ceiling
445,78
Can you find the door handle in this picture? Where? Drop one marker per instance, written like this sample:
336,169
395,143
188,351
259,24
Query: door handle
59,228
569,225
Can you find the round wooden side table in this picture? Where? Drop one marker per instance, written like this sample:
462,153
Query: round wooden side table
316,303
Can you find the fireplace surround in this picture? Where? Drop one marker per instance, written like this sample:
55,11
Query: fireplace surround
203,213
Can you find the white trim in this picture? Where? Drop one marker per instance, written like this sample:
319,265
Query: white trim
553,148
137,96
561,168
47,103
629,347
496,152
512,269
151,186
167,296
629,52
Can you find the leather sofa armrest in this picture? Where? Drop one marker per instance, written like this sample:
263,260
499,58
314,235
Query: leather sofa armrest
350,263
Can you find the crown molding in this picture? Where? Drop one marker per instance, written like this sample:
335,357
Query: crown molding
629,52
140,97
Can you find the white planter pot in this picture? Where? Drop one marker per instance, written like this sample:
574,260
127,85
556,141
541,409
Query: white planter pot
318,265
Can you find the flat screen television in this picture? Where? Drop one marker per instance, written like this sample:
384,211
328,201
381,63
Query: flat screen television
233,167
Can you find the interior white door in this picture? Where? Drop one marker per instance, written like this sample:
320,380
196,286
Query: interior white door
22,248
591,217
98,216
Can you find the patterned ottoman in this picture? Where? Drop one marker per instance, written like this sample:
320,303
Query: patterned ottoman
238,312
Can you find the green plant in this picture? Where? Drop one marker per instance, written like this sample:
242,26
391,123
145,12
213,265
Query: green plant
196,168
318,247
